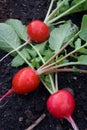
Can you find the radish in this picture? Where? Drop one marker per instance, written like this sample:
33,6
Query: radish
38,31
24,81
61,105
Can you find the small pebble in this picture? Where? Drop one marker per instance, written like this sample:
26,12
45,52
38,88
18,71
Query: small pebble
20,119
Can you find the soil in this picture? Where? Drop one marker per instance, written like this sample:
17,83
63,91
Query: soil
18,112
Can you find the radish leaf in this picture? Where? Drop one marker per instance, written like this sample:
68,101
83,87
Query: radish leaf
8,38
82,7
83,33
18,61
83,59
78,43
59,36
19,28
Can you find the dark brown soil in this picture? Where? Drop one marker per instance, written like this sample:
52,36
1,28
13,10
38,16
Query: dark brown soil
17,112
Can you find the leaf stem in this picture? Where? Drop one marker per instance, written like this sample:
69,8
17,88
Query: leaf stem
66,12
68,64
54,12
56,81
19,47
49,90
72,52
64,70
58,23
16,49
29,64
37,53
52,83
71,40
49,10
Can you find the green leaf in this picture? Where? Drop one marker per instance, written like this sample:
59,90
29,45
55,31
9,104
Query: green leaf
71,3
74,69
8,38
82,7
83,33
41,47
19,28
47,54
36,62
18,61
46,79
59,36
82,59
78,43
65,6
63,61
83,50
31,52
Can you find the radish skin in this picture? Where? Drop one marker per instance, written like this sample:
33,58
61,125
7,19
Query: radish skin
38,31
61,105
24,81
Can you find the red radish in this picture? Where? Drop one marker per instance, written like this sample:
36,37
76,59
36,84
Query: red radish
61,105
24,81
38,31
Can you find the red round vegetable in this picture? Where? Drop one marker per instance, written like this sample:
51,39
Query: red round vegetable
38,31
61,105
24,81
